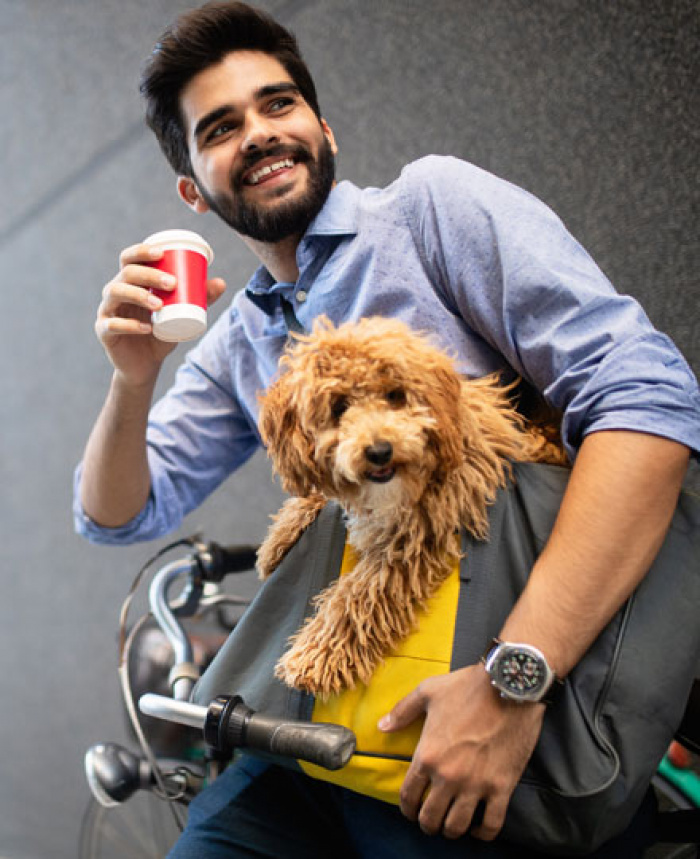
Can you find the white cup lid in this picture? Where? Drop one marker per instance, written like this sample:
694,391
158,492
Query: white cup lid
176,239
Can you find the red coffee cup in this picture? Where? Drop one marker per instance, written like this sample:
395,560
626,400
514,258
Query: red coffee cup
184,313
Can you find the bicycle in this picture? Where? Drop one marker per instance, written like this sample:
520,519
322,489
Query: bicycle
138,800
176,763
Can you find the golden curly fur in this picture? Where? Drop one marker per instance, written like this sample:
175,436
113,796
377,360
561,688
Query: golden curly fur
371,415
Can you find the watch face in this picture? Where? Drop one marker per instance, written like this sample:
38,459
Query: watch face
520,674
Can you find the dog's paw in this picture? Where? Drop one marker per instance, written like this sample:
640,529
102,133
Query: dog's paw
293,518
270,556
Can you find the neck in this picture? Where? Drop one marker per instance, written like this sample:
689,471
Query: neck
279,258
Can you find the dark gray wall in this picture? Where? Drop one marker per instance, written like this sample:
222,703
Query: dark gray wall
591,105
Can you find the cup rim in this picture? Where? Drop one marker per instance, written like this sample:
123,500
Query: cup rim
176,239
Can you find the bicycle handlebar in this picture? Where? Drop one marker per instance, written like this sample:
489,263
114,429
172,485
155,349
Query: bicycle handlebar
217,561
209,563
228,723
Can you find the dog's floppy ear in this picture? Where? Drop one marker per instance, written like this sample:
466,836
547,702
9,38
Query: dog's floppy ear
444,395
289,446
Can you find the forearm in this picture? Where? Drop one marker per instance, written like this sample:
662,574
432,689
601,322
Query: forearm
621,496
116,480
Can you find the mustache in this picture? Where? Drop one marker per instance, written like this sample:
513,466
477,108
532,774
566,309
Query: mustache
299,153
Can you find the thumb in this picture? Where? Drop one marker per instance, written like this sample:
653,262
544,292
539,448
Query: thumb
406,711
215,289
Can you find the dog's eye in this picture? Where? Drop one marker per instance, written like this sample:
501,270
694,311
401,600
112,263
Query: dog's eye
396,398
339,406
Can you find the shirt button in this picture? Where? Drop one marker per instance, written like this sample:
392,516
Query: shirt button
302,296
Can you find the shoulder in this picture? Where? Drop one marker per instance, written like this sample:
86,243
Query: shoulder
448,191
437,168
439,173
448,176
428,178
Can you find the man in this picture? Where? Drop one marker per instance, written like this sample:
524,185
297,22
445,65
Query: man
494,275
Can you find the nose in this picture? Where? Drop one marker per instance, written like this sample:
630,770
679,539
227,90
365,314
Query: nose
258,133
379,453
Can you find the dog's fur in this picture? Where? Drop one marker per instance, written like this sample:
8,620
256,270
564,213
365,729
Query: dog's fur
373,416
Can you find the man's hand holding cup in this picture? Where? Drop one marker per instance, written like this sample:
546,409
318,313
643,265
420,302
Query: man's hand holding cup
159,298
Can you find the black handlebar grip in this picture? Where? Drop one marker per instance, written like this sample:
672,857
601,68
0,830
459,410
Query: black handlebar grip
328,746
218,561
231,724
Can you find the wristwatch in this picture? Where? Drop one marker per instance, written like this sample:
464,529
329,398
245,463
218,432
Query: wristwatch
520,672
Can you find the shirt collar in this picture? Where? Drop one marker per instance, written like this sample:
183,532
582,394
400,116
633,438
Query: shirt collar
340,213
338,217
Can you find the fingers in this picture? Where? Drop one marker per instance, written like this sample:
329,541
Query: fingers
460,816
407,710
441,812
128,300
132,286
139,254
413,790
130,293
493,819
439,798
114,325
472,752
442,806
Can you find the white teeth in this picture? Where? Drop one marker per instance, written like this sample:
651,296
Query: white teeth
270,168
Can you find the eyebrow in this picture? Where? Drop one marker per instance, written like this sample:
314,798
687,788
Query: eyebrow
225,109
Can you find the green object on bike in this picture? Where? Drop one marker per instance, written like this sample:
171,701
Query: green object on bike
686,780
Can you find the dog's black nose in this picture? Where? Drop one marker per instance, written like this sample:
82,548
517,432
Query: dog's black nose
379,453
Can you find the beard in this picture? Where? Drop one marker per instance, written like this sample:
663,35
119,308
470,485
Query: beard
271,223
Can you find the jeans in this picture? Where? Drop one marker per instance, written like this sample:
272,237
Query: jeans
257,809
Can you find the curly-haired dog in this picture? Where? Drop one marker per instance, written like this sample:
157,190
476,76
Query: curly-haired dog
373,416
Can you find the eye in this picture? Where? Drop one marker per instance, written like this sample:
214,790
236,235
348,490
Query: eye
221,130
396,398
339,405
280,103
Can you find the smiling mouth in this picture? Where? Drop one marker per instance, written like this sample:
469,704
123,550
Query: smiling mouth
381,475
269,171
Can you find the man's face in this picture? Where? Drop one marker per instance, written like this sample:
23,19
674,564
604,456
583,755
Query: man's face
261,158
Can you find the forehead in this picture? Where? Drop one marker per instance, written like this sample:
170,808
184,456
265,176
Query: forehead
355,370
234,81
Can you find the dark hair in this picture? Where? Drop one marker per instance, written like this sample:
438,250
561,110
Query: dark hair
200,39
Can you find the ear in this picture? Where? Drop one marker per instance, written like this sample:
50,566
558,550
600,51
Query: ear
446,408
491,427
189,193
289,446
329,136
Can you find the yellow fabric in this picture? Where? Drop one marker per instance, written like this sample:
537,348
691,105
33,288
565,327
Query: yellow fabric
425,653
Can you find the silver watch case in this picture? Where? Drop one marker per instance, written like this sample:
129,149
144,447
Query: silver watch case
519,672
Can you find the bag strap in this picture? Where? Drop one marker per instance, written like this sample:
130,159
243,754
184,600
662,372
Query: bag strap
476,568
324,567
493,572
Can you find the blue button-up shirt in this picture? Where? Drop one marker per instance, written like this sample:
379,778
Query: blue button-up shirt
487,270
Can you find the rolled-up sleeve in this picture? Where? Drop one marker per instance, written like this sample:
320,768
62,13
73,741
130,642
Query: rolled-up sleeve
510,268
198,434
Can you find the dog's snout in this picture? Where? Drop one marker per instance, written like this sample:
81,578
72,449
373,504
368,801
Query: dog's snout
379,453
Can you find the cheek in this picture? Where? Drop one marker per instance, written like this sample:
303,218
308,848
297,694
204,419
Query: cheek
216,170
308,134
325,446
